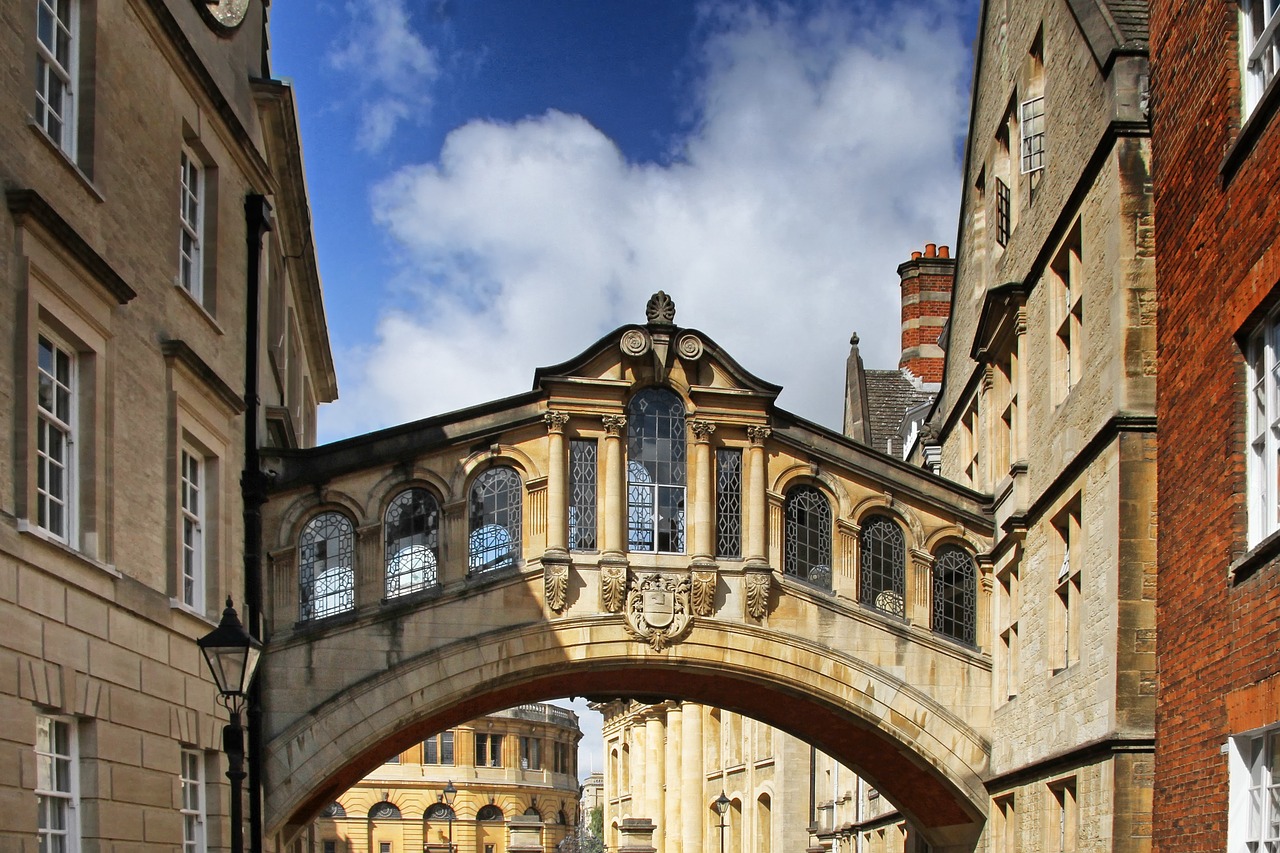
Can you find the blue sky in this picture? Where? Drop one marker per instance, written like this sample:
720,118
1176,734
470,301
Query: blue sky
497,183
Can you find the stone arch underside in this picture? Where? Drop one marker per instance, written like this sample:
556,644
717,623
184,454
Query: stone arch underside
921,755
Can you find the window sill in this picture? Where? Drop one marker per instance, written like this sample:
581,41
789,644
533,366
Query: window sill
27,528
1250,131
1249,563
65,158
199,306
176,605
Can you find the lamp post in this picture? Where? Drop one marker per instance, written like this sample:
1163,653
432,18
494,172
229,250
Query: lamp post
232,656
447,797
722,807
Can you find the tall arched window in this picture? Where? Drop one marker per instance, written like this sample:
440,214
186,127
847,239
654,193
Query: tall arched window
411,533
883,558
495,520
955,594
655,472
326,577
807,551
490,812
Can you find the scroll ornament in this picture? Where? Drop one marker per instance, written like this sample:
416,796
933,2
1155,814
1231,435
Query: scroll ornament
657,609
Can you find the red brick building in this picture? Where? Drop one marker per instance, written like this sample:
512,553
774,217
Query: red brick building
1216,141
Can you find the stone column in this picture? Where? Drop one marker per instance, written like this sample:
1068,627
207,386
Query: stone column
557,473
615,485
757,513
986,583
654,772
675,792
692,782
919,587
703,494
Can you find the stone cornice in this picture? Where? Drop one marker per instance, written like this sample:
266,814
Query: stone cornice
29,206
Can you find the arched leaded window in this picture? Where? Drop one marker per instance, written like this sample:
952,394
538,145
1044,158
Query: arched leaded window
326,577
655,472
411,534
384,811
883,558
439,811
490,812
955,594
495,520
532,811
807,546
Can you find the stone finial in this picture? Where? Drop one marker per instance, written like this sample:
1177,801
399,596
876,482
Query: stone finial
660,310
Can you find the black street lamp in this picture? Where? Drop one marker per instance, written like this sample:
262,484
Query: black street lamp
722,806
232,656
447,797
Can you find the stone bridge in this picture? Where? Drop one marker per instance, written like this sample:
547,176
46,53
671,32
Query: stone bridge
644,523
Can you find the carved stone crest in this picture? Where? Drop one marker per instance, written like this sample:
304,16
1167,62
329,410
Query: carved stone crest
613,585
703,592
556,577
657,609
756,585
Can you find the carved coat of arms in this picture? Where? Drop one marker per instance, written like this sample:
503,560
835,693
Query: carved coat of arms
657,610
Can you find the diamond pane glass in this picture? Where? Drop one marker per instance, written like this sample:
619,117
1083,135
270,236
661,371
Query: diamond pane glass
411,532
882,556
582,495
495,520
807,547
326,570
729,503
656,471
955,594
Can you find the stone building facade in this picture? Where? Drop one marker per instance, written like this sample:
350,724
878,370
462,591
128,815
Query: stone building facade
1048,405
152,177
515,773
783,793
1216,146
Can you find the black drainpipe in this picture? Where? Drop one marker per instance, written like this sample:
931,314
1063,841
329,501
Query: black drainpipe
253,490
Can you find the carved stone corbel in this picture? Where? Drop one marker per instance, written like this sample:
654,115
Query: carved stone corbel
757,585
556,579
702,592
613,587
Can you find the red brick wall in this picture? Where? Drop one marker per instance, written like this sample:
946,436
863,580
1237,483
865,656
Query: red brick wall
926,304
1218,263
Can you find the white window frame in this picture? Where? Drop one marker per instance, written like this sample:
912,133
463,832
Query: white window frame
194,807
52,70
191,214
58,421
57,793
1031,135
1263,404
1254,775
192,510
1260,48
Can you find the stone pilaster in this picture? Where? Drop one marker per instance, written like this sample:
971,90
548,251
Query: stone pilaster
692,783
672,818
654,771
557,474
756,497
703,493
614,487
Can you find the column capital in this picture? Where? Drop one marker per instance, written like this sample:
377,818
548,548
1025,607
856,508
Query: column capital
555,421
702,430
614,424
758,434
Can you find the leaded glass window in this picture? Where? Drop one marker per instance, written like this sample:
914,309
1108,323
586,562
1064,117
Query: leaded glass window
807,551
655,472
384,811
955,594
326,571
582,494
495,520
490,812
883,558
729,503
334,809
440,811
411,532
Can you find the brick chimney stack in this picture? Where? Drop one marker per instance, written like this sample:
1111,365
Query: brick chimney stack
926,304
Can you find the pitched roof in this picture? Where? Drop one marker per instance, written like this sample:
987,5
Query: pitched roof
890,395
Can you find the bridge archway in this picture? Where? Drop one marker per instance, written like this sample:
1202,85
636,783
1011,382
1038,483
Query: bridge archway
912,748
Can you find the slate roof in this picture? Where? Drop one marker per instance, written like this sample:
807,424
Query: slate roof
890,394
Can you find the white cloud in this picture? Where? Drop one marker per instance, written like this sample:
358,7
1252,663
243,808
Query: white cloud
824,153
390,64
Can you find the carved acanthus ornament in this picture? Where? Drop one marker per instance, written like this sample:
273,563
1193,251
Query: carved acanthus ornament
660,309
613,587
702,592
657,610
614,424
555,421
756,586
758,434
556,576
702,430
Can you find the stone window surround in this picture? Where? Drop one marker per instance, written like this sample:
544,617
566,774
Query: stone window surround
1253,776
64,796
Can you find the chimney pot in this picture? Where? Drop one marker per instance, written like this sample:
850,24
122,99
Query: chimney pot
930,250
944,251
915,256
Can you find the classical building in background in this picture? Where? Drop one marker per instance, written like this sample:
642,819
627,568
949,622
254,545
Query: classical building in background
515,775
1216,148
782,793
1048,406
155,236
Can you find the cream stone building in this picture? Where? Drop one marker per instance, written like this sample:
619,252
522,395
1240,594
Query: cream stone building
158,281
783,794
515,775
1047,405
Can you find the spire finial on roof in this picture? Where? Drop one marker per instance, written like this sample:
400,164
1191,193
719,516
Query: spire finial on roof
660,310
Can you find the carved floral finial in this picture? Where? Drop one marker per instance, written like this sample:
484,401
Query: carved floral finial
661,309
